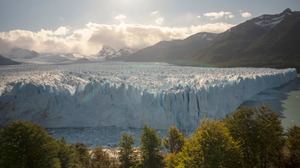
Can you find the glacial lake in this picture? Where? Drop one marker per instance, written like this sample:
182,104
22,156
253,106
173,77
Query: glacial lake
285,100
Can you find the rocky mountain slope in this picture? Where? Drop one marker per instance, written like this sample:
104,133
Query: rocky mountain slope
265,41
7,61
109,53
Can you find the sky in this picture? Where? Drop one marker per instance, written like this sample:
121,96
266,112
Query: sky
84,26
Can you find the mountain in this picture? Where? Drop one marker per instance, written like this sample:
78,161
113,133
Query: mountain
21,54
268,40
7,61
178,50
29,56
265,41
109,53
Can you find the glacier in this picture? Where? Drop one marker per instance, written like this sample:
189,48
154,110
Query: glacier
128,95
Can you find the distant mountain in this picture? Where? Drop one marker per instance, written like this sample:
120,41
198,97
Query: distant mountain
81,60
268,40
21,54
265,41
109,53
7,61
176,50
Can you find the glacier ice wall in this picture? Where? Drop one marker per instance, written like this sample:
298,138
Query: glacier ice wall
129,95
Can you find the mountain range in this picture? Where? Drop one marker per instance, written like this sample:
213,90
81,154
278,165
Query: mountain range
264,41
7,61
110,53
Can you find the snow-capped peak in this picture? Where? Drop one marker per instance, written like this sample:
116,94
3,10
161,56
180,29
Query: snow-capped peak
270,21
108,52
287,11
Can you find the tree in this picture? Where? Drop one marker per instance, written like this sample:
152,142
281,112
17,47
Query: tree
127,156
271,138
26,145
82,154
101,159
293,145
260,134
170,160
174,140
150,149
211,146
68,156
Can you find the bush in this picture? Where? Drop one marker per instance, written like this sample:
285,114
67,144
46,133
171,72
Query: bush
101,159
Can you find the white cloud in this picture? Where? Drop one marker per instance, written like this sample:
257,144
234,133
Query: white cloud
246,14
230,16
120,17
89,39
159,20
219,15
198,16
61,31
157,17
155,12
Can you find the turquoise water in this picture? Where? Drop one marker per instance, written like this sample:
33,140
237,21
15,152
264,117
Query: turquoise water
291,109
285,100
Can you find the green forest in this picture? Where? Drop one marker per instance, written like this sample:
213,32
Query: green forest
249,138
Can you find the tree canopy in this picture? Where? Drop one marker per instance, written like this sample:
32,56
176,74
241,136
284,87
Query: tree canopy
26,145
211,146
150,149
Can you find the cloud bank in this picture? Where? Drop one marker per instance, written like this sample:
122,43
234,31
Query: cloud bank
219,15
90,39
246,14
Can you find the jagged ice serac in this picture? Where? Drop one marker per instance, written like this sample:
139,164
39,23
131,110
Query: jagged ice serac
128,95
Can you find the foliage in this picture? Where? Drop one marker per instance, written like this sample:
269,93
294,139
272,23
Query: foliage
127,156
150,149
171,160
247,138
82,154
211,146
101,159
260,134
26,145
174,141
68,156
293,146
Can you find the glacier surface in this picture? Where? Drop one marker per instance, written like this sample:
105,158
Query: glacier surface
128,95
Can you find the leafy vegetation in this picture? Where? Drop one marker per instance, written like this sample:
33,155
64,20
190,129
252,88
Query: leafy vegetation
293,147
101,159
260,135
247,138
127,156
150,149
210,146
23,144
174,141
